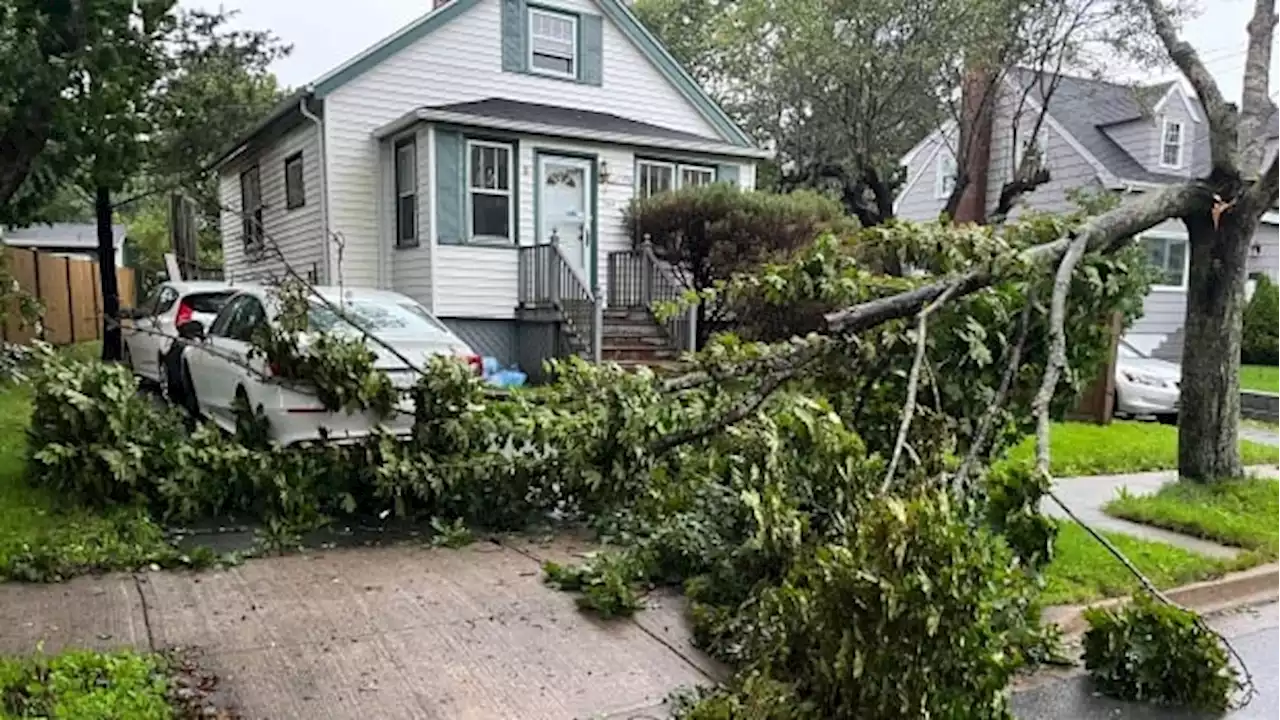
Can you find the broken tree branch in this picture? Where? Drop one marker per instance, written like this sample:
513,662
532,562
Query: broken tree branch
913,384
1106,233
1057,349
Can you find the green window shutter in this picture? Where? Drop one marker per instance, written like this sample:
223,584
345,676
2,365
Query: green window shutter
515,30
727,174
591,29
449,201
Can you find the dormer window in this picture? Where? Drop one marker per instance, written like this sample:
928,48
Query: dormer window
1171,140
553,43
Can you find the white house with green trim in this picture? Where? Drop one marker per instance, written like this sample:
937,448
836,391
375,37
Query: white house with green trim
480,160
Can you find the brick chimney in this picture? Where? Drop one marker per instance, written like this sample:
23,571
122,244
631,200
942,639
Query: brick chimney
977,115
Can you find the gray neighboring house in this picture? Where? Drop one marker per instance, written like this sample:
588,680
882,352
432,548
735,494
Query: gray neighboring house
1098,135
71,239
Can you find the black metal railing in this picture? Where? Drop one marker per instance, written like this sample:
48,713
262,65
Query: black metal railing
548,280
639,280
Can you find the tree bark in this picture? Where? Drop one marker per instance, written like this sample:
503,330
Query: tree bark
111,341
1208,420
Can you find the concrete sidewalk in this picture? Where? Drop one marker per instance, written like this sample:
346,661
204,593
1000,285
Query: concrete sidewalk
1086,496
400,632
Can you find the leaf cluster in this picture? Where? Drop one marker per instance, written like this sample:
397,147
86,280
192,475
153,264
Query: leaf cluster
1154,652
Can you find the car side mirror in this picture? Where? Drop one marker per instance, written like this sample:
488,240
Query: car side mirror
191,330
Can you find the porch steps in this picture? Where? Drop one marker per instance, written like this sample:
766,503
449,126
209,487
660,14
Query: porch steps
632,337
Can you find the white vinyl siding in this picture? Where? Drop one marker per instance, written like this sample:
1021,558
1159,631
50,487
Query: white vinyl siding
461,62
296,232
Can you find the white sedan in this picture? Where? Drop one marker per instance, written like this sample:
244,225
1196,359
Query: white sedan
1146,385
152,325
214,364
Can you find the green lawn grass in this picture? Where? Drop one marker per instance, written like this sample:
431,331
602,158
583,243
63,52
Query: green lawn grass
1123,446
1236,512
1082,570
46,538
1260,377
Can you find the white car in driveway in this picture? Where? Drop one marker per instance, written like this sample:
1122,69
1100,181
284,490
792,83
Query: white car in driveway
151,326
1146,385
214,365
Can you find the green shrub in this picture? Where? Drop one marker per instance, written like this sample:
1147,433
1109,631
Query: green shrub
1260,341
85,685
909,614
1154,652
93,435
1014,492
709,233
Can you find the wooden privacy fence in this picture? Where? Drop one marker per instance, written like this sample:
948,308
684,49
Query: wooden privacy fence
68,288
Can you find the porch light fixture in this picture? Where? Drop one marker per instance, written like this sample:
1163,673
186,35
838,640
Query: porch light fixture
604,172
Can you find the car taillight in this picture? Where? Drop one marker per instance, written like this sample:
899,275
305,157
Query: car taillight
475,362
184,314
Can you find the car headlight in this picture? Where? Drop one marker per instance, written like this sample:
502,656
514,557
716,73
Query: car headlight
1147,380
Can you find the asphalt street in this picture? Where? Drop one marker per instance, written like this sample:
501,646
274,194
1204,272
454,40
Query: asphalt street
1254,632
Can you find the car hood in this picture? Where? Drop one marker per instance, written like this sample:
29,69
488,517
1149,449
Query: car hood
1150,366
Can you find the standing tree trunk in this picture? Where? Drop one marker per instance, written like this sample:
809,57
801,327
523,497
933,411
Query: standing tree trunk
1208,432
111,343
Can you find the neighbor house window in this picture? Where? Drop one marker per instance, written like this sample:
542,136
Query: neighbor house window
553,43
692,176
1039,145
406,169
1171,144
945,182
295,192
654,177
489,175
251,207
1168,256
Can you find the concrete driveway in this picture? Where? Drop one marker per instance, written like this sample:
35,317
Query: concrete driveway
400,632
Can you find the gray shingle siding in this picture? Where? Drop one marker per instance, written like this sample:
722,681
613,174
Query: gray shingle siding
1268,259
919,199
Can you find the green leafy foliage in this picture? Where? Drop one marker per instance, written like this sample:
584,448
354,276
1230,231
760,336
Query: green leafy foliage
93,436
1014,493
1260,338
757,481
85,684
708,233
1157,653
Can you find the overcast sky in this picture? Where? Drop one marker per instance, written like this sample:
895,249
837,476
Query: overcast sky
325,33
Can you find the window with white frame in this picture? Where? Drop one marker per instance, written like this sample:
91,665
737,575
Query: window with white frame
693,176
251,208
406,176
654,177
1168,256
553,43
490,211
1040,144
1171,140
945,181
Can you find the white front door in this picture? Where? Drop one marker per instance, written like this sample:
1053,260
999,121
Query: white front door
564,208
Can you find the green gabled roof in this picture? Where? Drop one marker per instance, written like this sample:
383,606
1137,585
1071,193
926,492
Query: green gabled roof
616,11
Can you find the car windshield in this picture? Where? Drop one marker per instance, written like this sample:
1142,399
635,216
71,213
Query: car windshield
377,315
1127,351
209,303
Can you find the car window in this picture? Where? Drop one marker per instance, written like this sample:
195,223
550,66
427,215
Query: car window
148,305
376,315
165,300
207,302
220,323
249,315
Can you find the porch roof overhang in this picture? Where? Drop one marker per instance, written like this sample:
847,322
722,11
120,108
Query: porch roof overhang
560,122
